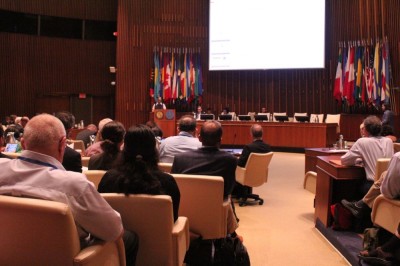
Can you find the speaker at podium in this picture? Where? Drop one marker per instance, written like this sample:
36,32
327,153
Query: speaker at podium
166,120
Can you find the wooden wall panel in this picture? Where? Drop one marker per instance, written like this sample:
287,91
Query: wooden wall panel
81,9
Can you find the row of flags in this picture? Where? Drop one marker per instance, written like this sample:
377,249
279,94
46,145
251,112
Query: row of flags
362,74
176,76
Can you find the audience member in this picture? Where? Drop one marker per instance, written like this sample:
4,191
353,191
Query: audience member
38,173
362,130
24,121
96,146
86,134
257,146
136,170
72,160
186,140
387,131
159,104
368,150
389,186
210,160
113,135
158,133
13,134
388,115
2,155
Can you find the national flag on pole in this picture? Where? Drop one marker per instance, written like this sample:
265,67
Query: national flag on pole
338,88
167,77
385,72
156,75
359,70
377,74
349,85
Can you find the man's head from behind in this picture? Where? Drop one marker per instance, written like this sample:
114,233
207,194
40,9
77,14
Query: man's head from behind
373,126
67,119
187,123
256,131
45,134
211,133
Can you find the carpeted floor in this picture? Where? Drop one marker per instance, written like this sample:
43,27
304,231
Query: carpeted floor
282,231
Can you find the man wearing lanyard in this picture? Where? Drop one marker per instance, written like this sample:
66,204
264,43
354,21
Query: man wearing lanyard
38,173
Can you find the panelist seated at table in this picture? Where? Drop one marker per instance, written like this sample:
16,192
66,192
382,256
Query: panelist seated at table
225,115
369,149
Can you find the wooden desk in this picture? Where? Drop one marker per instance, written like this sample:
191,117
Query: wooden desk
280,134
334,183
312,153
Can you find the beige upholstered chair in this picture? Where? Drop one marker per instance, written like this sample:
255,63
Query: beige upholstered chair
13,155
396,147
382,165
254,174
41,232
78,145
313,118
85,161
298,114
334,119
94,176
202,202
161,241
386,213
165,167
251,114
310,181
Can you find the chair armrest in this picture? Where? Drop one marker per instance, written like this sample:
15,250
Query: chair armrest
180,239
386,213
102,253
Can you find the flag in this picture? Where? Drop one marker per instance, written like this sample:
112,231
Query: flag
338,88
349,82
358,74
385,94
167,77
156,75
376,75
174,72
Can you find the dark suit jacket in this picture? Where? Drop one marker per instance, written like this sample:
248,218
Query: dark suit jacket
72,160
207,161
84,135
257,146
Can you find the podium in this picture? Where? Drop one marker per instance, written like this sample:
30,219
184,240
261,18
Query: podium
166,120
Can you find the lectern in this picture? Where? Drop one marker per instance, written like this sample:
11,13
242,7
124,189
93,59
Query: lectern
166,120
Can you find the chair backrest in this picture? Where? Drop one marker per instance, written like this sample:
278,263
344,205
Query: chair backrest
165,167
396,147
255,172
298,114
202,202
79,145
234,116
278,114
151,217
310,181
36,232
251,114
382,165
313,118
85,161
386,213
334,119
94,176
13,155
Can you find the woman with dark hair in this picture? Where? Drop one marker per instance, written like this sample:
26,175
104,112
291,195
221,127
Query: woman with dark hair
113,135
136,170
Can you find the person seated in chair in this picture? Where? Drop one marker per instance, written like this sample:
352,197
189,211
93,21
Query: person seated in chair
256,146
210,160
38,173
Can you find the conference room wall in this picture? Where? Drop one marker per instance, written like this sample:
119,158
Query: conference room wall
143,25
